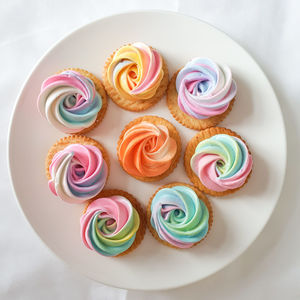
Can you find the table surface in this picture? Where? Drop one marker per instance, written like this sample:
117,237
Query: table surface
269,30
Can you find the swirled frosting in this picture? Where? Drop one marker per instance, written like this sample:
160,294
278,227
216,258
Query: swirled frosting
109,225
179,216
204,88
147,150
69,101
78,173
136,71
222,162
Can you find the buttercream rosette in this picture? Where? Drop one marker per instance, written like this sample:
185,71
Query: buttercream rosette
179,216
77,169
113,224
201,94
135,76
218,161
148,150
73,101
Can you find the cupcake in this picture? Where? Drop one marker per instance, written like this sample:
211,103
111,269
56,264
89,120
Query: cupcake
73,101
149,148
201,94
135,77
179,215
77,168
113,224
218,161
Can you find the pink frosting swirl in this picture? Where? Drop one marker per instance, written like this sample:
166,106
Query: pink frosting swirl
109,225
69,101
78,173
204,88
222,162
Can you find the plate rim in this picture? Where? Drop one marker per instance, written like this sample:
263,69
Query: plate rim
74,32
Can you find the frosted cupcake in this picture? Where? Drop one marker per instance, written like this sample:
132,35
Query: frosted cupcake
201,94
218,161
77,168
135,76
179,215
113,224
149,148
73,101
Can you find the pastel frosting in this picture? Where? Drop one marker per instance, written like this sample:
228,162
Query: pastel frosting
136,71
69,101
78,173
179,216
147,150
222,162
204,88
109,225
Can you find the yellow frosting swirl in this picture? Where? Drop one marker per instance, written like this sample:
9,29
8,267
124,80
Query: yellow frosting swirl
136,71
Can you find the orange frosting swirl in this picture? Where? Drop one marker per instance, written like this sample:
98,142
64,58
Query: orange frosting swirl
147,150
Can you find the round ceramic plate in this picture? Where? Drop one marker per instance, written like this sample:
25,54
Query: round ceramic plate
238,219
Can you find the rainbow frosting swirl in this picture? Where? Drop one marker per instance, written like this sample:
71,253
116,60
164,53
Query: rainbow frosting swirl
222,162
179,216
109,225
69,101
78,173
147,150
136,71
204,88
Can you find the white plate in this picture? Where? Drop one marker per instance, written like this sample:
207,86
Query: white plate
238,219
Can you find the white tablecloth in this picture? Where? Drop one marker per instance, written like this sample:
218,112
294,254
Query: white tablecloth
270,31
